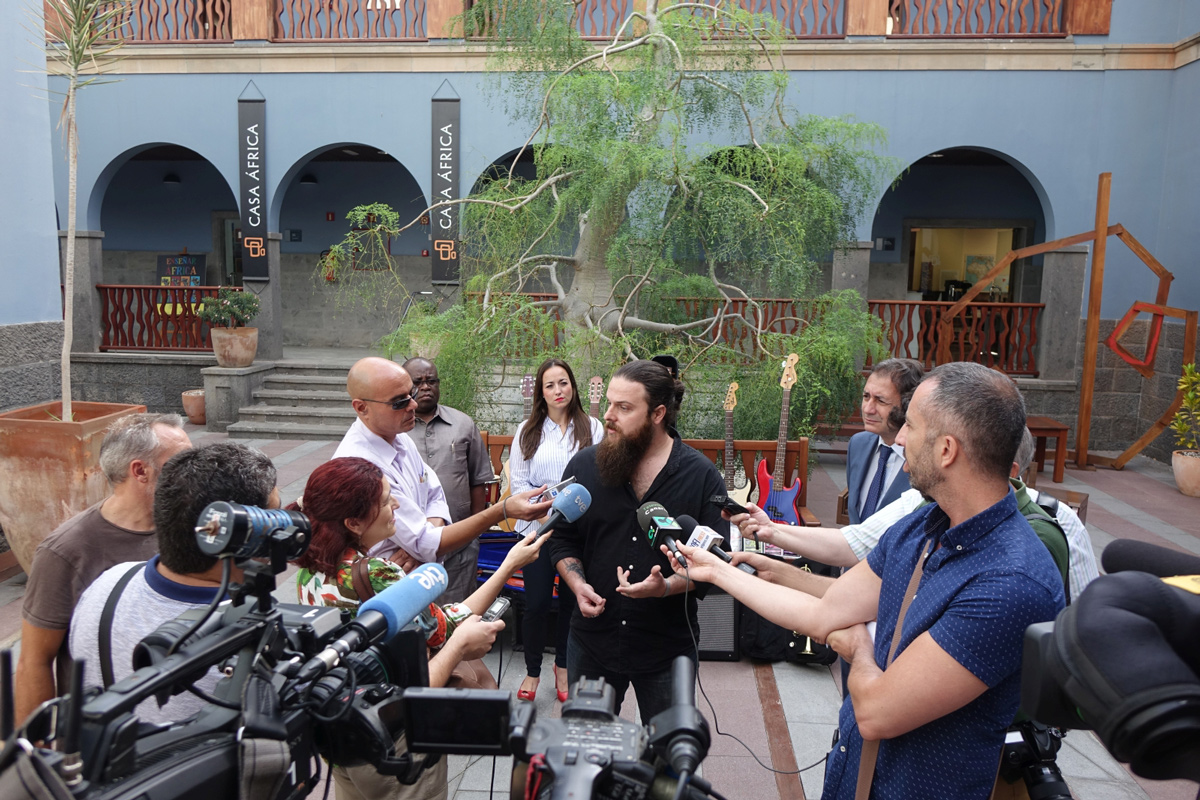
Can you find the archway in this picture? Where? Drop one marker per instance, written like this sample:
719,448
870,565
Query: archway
951,214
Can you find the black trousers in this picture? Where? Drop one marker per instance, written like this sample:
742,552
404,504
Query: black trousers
539,591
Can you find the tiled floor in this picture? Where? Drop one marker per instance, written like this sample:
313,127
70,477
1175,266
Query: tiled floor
1141,502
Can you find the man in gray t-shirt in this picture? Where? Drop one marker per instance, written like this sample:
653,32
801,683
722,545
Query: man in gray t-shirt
181,577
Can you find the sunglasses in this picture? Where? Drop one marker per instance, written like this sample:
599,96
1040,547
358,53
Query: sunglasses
398,404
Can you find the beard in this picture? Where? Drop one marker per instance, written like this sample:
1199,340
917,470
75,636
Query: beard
618,455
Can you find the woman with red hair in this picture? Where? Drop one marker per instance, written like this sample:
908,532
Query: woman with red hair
349,505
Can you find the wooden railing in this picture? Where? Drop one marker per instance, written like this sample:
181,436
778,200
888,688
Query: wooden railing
978,18
176,21
999,335
350,20
154,318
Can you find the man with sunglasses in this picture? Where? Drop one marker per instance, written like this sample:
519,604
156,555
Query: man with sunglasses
381,393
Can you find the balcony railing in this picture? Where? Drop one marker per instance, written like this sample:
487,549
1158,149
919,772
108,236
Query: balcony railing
977,18
803,19
175,21
350,20
154,318
1003,336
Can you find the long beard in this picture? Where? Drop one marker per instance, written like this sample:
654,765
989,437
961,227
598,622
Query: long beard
617,457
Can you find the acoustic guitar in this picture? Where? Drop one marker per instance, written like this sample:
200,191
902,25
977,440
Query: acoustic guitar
778,501
595,393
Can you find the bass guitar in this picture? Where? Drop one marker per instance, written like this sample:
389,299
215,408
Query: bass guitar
778,501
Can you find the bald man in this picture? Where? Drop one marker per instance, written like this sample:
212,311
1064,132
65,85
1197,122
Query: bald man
381,393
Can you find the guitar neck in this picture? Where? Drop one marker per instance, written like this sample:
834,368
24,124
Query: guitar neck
729,484
594,410
781,442
528,405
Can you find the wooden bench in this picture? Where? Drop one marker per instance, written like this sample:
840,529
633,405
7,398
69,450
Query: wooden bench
747,451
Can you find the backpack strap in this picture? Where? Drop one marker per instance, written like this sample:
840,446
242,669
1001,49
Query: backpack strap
360,579
1048,503
106,620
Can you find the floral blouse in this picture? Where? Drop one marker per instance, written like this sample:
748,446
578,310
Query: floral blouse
317,589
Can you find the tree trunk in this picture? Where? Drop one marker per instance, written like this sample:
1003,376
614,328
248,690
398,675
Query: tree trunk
69,260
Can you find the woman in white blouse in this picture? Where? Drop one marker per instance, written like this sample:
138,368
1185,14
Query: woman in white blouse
557,428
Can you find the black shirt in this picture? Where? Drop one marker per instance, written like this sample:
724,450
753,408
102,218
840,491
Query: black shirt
636,636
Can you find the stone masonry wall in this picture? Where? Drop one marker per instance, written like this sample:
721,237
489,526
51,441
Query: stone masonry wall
155,379
29,363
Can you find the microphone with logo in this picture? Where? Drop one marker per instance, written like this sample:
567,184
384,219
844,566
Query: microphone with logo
380,617
660,528
571,504
706,538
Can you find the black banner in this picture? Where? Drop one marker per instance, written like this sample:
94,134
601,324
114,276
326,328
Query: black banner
443,221
252,191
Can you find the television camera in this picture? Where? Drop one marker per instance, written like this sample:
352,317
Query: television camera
302,683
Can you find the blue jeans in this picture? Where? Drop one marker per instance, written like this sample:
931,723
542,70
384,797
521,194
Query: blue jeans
652,689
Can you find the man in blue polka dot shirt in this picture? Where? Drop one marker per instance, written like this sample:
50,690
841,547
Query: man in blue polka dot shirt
940,708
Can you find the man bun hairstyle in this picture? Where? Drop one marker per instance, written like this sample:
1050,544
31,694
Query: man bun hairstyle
191,480
132,438
982,409
905,374
661,388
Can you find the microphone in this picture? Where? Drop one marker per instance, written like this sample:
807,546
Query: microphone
1124,555
706,538
659,526
571,504
381,617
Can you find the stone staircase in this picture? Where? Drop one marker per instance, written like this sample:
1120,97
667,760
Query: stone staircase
298,400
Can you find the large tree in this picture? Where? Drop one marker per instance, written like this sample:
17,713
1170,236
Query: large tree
662,162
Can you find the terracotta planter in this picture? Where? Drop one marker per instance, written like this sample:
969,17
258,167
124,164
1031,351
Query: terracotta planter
235,347
193,406
50,470
1186,464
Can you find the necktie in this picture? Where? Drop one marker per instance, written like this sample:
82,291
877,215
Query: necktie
876,490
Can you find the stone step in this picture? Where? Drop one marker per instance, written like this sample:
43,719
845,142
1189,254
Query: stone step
299,397
334,368
324,382
305,415
248,429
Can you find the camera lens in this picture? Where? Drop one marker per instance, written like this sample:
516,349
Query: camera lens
243,531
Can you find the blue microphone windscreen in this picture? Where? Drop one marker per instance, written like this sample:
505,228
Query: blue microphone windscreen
408,597
572,502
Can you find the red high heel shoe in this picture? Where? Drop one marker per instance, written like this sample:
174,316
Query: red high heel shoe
528,695
562,696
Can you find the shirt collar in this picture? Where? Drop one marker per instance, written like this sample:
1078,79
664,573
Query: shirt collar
960,536
383,449
437,415
183,593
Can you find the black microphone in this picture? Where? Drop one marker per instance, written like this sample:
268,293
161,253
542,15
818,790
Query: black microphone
661,529
706,538
1126,555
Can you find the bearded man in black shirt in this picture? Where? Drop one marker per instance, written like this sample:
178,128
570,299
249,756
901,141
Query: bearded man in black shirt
634,616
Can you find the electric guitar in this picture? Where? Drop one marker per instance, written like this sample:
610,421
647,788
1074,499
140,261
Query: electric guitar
595,392
506,481
780,502
738,495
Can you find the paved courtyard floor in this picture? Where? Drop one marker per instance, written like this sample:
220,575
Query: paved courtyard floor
783,714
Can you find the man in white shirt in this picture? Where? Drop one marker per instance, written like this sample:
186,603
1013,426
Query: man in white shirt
381,393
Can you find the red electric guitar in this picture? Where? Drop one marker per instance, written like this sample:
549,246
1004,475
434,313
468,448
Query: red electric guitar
780,503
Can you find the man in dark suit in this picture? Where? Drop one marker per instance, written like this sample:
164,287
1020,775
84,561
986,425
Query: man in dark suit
874,462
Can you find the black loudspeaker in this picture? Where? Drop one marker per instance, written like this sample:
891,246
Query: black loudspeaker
718,616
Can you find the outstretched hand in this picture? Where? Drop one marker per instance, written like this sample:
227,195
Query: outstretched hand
755,524
521,505
524,552
652,586
702,565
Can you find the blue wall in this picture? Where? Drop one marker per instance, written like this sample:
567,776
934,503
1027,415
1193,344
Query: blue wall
140,212
28,230
1144,21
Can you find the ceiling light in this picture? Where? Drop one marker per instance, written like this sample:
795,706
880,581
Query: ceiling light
308,179
937,155
171,177
349,152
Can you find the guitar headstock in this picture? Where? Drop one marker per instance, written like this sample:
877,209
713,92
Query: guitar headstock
595,389
527,387
731,397
789,371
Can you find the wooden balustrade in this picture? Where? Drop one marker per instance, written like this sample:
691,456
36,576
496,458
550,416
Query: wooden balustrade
350,20
173,21
999,335
979,18
154,318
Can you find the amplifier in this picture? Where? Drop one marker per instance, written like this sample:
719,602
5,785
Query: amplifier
718,615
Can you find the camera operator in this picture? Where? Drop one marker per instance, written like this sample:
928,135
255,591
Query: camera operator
180,578
931,697
350,506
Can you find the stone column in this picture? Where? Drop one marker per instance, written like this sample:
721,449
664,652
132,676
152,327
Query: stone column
1064,273
852,268
270,293
89,271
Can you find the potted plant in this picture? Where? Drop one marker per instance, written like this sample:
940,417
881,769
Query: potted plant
1186,426
233,343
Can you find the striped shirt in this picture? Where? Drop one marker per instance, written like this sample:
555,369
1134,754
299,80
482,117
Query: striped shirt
549,460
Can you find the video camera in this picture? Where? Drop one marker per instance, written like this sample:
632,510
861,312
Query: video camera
299,683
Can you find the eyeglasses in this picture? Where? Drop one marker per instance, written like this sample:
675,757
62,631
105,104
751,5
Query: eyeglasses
426,381
398,404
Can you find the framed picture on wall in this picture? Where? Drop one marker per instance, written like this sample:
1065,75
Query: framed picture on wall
978,266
